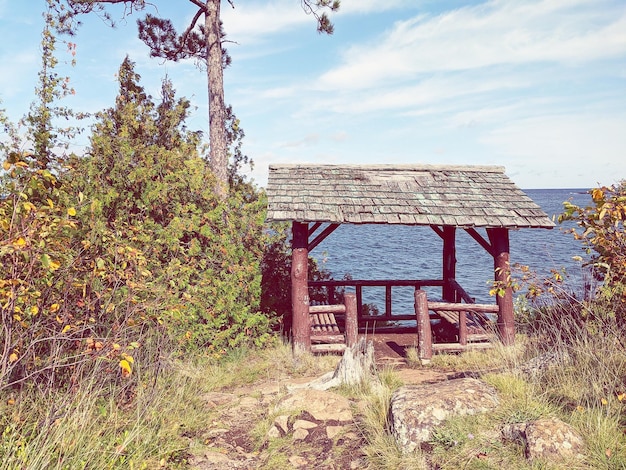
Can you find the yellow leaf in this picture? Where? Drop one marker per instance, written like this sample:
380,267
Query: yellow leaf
20,242
71,212
34,310
6,165
13,357
621,396
66,328
50,203
126,369
55,308
54,265
21,164
16,317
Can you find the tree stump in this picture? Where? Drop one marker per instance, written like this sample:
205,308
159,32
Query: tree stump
357,366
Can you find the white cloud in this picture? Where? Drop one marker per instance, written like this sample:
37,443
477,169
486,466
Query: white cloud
249,21
494,33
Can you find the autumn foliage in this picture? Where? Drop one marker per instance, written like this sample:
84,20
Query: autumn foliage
124,245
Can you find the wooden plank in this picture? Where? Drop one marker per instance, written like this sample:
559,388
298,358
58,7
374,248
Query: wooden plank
452,307
328,338
452,347
339,308
328,348
377,282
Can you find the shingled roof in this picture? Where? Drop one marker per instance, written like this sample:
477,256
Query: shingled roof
461,196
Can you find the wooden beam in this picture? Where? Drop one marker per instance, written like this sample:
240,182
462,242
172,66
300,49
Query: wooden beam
424,334
480,239
352,320
314,227
438,230
449,263
499,238
300,328
322,236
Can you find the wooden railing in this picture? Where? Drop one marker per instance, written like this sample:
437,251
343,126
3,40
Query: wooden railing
460,303
324,326
387,315
423,308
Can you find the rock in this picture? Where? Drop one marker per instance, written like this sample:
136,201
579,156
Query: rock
298,461
300,434
332,431
415,410
282,422
273,433
304,424
215,399
322,405
547,439
249,402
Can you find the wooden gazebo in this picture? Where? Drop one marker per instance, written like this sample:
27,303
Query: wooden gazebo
319,198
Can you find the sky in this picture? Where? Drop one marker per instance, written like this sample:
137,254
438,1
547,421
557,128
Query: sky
536,86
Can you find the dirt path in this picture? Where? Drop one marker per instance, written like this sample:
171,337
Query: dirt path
238,415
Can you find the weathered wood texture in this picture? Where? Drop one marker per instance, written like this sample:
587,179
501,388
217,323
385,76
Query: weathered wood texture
324,327
499,239
300,288
459,196
424,333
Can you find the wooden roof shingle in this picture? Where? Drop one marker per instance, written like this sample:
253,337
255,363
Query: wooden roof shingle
461,196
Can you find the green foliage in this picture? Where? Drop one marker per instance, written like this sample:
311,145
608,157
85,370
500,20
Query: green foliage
149,185
62,304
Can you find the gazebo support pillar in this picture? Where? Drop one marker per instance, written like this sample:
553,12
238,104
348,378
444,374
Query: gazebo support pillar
301,330
449,263
499,238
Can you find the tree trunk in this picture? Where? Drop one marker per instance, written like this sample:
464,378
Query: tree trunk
218,152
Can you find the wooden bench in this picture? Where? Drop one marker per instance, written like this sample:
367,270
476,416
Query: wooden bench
326,336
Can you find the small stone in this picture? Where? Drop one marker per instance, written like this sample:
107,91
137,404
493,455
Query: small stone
300,434
304,424
217,432
273,433
298,461
215,399
333,431
282,422
248,402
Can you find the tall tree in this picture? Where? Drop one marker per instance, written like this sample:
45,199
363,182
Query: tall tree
202,40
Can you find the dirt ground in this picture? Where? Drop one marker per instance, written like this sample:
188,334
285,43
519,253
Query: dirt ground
228,444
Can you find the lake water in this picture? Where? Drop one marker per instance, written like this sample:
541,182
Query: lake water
409,252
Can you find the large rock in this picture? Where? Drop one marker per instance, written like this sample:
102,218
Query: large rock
546,439
416,410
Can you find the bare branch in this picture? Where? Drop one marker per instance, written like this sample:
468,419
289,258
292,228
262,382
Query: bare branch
185,35
199,4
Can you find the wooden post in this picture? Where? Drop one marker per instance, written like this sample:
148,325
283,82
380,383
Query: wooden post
462,328
449,263
499,238
388,300
424,335
352,321
359,299
301,329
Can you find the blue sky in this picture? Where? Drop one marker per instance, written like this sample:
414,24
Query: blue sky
538,86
